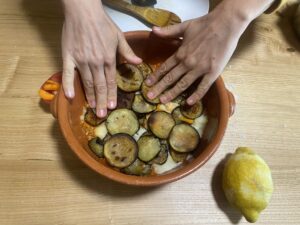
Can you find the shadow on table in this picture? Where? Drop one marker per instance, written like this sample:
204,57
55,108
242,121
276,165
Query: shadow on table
285,24
216,184
47,17
86,177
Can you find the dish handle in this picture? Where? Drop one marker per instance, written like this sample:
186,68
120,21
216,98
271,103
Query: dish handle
48,92
232,103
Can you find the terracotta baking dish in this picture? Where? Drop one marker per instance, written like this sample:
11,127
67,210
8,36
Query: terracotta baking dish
218,101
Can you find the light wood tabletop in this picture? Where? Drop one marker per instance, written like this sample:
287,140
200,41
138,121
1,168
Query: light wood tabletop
43,182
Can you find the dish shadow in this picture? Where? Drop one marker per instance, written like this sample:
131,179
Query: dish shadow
285,24
88,178
47,17
216,185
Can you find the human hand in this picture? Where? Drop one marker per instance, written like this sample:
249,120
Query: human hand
208,43
90,41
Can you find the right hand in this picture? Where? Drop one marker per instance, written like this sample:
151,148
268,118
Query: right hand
90,40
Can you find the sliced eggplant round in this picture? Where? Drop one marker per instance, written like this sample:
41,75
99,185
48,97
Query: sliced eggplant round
91,118
129,77
168,107
124,99
122,121
178,156
184,138
138,168
161,124
120,150
149,147
145,89
141,106
179,118
191,111
145,69
163,154
96,145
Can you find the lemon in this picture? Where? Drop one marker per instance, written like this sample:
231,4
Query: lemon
247,183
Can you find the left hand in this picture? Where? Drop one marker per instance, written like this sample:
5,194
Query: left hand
208,43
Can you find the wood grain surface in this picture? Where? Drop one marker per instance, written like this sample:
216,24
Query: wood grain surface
43,182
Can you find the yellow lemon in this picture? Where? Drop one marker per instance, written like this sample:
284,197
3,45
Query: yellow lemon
247,183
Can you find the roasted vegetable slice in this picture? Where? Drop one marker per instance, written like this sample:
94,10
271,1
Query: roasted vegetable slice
161,124
178,156
120,150
125,99
122,121
179,118
145,89
162,156
191,111
141,106
145,69
184,138
138,168
168,107
149,147
96,145
129,77
91,118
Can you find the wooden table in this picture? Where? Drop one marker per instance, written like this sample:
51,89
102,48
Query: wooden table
43,182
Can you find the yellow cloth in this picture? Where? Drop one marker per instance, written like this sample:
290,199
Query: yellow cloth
275,5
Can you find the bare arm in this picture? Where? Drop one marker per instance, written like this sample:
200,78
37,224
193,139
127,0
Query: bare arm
90,41
208,44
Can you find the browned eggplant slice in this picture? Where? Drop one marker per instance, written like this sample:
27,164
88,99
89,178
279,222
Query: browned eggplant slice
191,111
162,156
168,107
179,118
149,147
91,118
129,77
122,121
145,89
138,168
120,150
124,99
161,124
96,145
141,106
184,138
145,69
178,156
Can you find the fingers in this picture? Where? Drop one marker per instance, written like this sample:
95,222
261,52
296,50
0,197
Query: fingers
68,77
88,84
100,90
170,78
162,70
203,87
110,74
172,31
185,82
125,50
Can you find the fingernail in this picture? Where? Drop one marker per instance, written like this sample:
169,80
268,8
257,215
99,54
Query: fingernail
101,113
150,95
69,94
111,104
163,99
92,103
190,101
148,81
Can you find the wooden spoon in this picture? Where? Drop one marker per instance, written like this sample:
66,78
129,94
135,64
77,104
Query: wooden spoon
153,16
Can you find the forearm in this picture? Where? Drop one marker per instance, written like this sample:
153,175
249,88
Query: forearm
73,7
239,13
